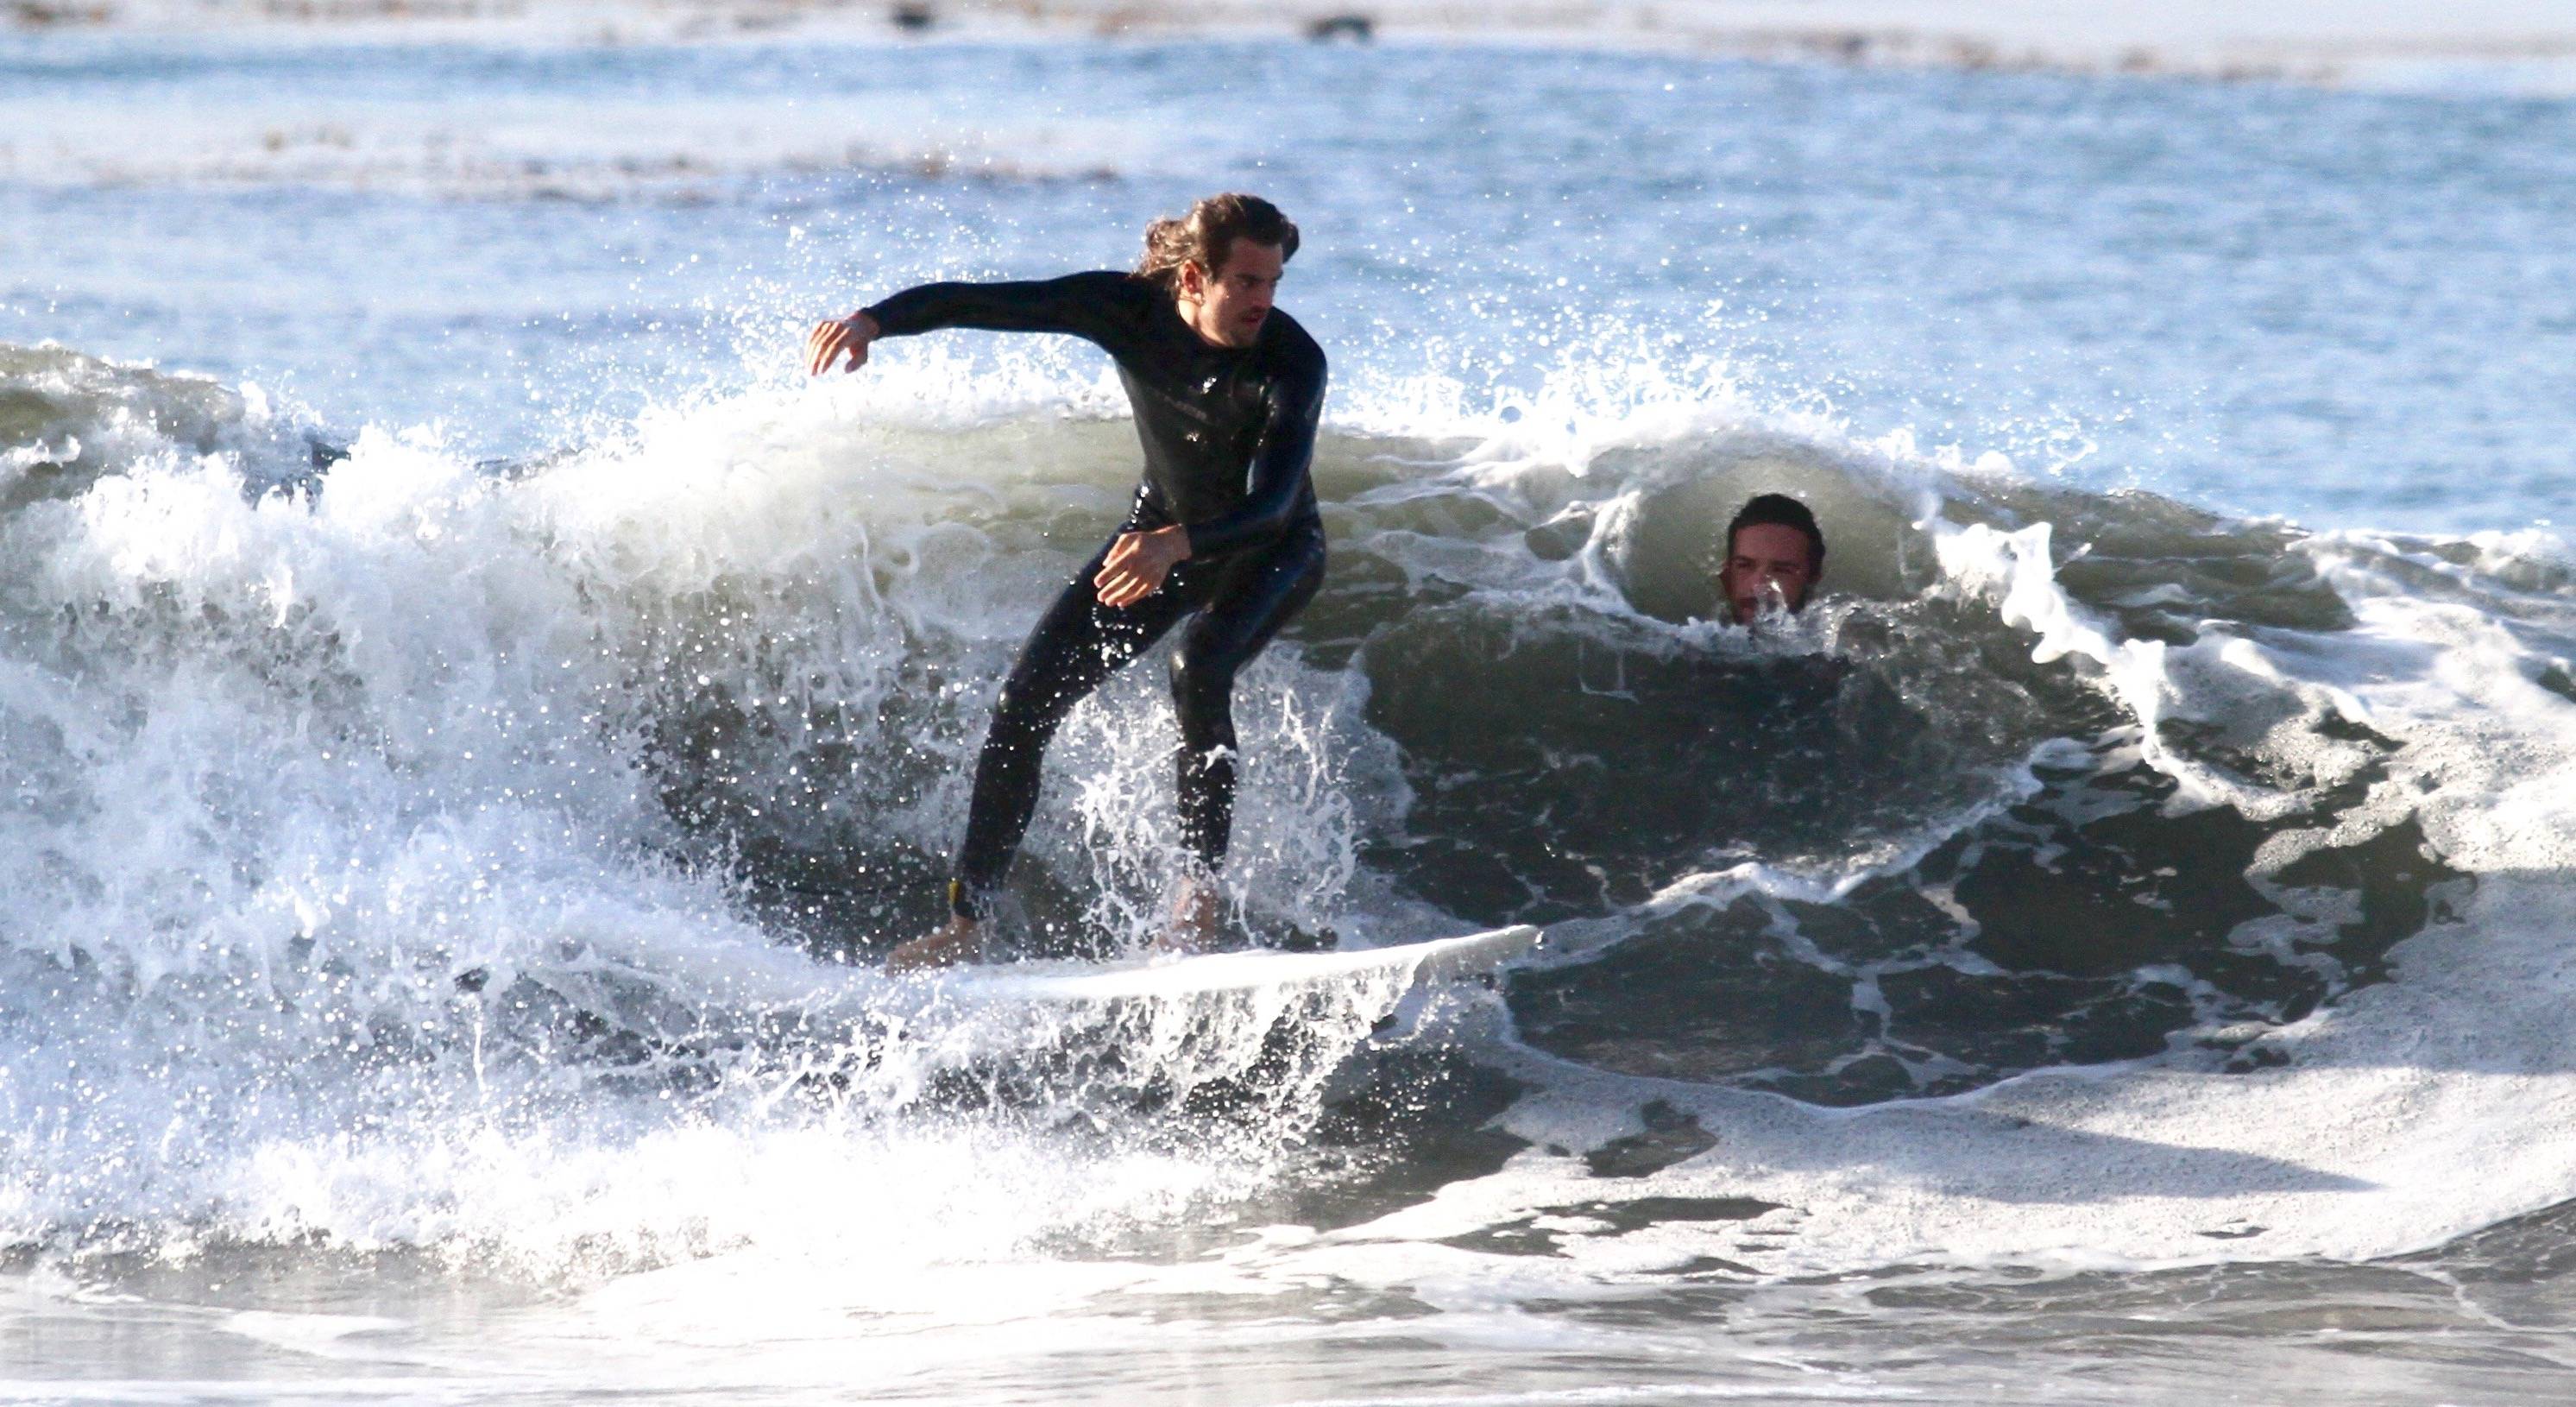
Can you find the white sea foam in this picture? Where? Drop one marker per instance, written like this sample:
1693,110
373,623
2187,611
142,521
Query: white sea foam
292,763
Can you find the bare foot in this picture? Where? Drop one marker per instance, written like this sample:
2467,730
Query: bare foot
955,943
1194,927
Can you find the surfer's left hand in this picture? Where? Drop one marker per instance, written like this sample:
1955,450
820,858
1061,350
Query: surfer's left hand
1137,564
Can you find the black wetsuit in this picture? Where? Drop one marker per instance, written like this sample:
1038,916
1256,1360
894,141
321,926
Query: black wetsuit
1228,434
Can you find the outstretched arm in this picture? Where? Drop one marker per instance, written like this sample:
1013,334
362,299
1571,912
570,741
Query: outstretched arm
1091,306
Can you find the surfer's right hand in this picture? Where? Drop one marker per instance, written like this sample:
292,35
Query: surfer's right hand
837,338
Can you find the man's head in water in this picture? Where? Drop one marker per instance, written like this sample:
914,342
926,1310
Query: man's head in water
1222,263
1773,550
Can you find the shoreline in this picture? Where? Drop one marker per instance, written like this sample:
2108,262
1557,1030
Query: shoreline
2524,47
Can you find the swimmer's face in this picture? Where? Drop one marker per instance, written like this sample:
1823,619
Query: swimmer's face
1229,308
1766,562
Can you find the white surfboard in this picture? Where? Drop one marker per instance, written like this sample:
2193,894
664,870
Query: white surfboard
1177,976
1168,1025
775,977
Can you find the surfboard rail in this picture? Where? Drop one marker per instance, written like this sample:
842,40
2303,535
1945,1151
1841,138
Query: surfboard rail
1163,977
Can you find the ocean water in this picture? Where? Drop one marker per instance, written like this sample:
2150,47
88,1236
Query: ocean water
472,712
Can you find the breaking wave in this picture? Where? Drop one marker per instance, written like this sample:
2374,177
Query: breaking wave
490,858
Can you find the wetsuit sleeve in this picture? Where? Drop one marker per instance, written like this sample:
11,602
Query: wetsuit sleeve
1281,464
1096,307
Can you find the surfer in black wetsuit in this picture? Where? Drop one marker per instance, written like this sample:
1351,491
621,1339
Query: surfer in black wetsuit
1227,392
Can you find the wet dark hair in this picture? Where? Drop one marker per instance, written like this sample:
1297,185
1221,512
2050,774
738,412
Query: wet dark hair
1207,234
1780,510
